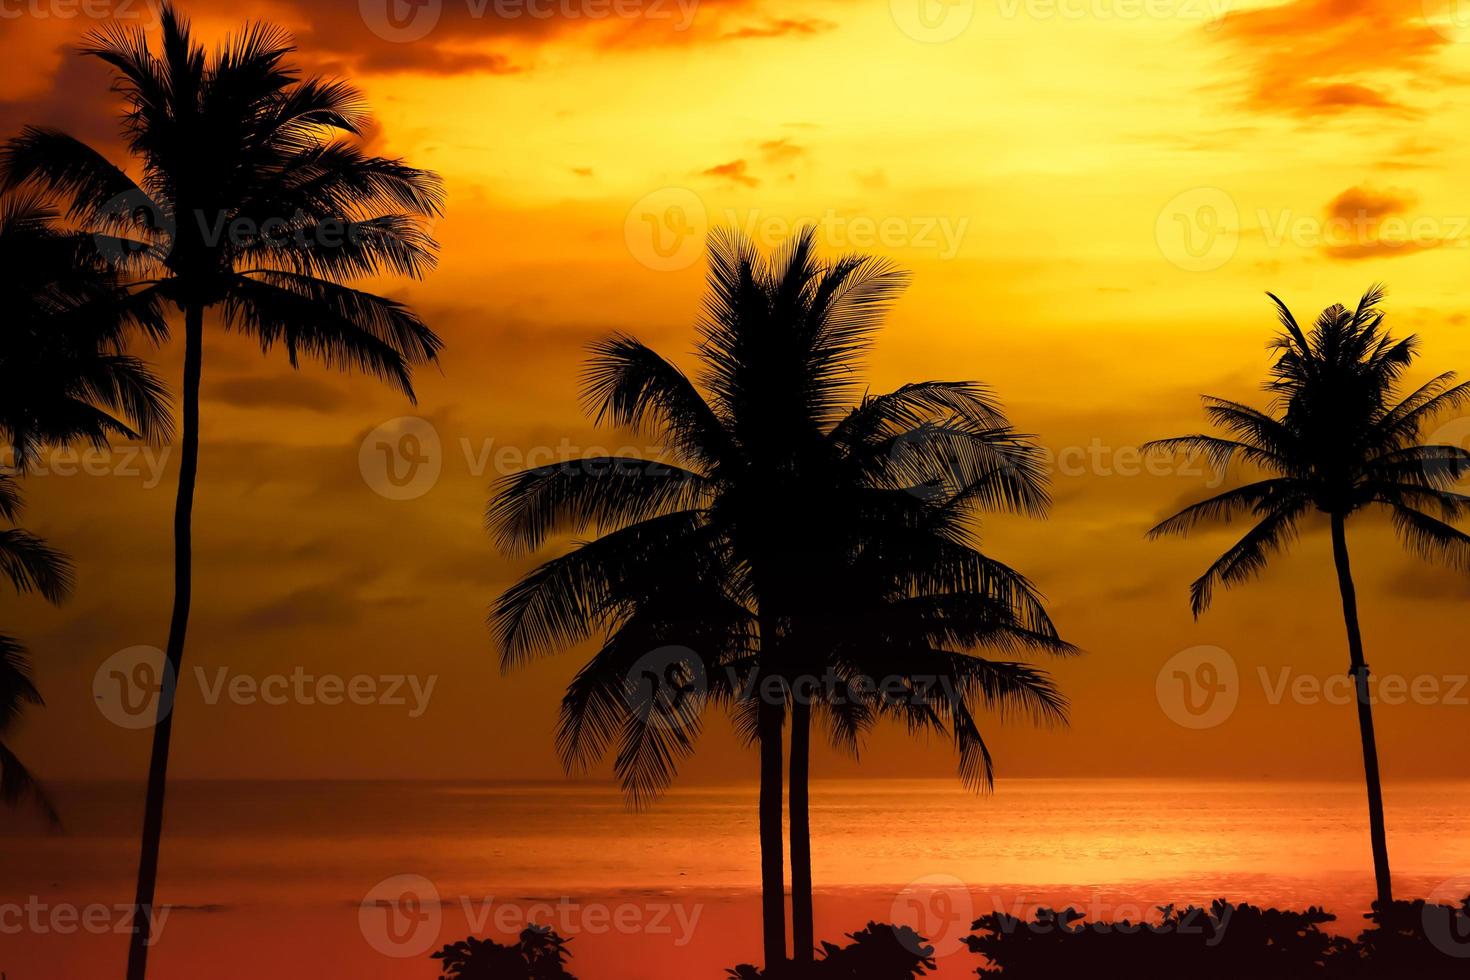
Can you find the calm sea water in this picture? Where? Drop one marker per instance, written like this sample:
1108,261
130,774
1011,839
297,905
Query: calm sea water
288,880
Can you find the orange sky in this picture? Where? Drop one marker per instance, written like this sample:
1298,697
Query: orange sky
1092,195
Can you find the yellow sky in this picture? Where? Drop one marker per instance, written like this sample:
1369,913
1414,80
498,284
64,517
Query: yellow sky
1093,196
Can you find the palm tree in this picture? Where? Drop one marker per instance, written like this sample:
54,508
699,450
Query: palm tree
63,374
722,550
1337,441
30,564
256,202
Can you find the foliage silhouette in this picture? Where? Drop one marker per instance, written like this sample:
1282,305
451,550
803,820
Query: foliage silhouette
64,377
1226,942
790,502
1338,441
877,952
539,954
256,202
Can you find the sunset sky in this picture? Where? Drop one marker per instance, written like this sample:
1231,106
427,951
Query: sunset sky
1093,197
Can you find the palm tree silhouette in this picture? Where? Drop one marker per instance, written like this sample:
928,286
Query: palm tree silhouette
30,564
1338,441
781,492
63,375
257,202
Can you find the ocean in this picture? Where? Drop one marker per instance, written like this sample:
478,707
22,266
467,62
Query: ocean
287,880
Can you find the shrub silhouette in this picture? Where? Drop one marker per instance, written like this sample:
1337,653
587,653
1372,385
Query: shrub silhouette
877,952
1416,939
1227,942
540,954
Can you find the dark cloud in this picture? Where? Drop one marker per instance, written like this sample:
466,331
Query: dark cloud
278,391
1366,203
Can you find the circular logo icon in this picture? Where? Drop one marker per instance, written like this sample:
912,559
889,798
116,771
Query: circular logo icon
665,230
936,910
401,916
1199,230
134,688
401,21
932,21
667,687
1447,917
402,458
1455,432
1449,18
1198,687
133,226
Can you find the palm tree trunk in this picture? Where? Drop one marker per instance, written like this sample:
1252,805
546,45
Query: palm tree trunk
773,871
803,940
178,626
1359,671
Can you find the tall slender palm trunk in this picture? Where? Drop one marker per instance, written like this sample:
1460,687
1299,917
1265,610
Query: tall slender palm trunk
773,871
803,939
1377,830
178,626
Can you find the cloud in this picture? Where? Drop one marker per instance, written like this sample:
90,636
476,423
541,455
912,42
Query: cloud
735,171
1365,203
286,391
782,27
1325,57
781,150
1366,223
